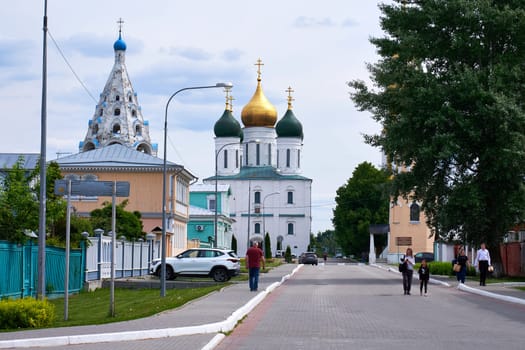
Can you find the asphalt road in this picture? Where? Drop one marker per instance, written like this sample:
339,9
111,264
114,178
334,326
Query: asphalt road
360,307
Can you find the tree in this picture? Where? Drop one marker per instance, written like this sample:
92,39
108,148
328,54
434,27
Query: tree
267,246
18,205
234,244
326,242
449,96
361,202
128,224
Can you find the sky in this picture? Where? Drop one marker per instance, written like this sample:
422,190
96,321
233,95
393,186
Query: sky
315,47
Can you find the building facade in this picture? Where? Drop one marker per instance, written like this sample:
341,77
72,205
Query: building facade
261,162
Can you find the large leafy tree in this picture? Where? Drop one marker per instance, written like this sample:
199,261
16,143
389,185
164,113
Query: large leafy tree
18,204
127,223
361,202
448,92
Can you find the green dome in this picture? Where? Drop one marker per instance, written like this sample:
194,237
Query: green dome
227,126
289,126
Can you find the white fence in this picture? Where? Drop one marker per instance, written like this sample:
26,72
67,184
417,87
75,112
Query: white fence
131,258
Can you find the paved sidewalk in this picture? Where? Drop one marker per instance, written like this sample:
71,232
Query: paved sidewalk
501,291
186,320
200,323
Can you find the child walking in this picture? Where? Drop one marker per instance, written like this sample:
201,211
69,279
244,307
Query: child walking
424,276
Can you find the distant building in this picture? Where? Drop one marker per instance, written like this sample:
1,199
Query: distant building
201,226
261,163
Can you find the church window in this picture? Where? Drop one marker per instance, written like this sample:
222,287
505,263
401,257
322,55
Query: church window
138,130
269,154
290,228
134,113
288,158
246,153
101,112
225,155
258,154
290,197
414,212
236,158
298,158
117,111
130,99
257,197
257,227
278,158
117,98
95,129
116,129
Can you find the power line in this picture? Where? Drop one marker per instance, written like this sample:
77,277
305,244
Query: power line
70,67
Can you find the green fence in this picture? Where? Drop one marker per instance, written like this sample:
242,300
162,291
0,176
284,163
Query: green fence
19,270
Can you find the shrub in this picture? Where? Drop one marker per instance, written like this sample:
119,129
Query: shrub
26,313
440,268
288,254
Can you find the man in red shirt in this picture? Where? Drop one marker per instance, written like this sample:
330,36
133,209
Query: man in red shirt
254,258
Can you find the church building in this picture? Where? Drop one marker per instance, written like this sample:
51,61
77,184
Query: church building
261,162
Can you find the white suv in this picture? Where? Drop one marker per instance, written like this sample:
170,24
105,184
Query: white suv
219,264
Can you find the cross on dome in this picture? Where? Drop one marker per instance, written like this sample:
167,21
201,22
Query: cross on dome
259,64
290,98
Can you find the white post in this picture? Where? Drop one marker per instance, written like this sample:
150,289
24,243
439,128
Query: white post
372,253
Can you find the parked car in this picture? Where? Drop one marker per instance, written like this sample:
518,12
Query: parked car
424,255
308,258
219,264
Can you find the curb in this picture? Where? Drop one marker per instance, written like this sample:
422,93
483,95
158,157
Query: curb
217,327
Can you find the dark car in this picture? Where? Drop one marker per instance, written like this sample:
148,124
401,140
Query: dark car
424,255
308,258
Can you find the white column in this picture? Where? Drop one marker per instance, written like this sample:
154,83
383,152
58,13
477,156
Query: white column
372,253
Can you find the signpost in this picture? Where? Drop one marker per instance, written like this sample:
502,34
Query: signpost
92,188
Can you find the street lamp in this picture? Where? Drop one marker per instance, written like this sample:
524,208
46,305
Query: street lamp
215,221
163,243
264,199
216,190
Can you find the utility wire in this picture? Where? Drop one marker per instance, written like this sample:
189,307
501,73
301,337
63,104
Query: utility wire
70,67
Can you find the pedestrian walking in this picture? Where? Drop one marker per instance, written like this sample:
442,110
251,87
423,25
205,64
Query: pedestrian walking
482,262
462,260
408,272
424,276
254,260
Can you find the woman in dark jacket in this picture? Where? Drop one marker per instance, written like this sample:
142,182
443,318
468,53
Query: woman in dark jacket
462,260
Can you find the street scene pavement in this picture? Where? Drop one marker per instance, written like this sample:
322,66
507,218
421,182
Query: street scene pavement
332,306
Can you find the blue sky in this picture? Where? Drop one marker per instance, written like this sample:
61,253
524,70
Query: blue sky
313,46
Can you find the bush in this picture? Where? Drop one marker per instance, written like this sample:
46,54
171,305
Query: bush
440,268
288,254
26,313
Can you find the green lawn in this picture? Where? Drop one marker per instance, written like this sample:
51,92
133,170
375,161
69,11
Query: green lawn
88,308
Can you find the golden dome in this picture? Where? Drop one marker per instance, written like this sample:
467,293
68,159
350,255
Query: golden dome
259,111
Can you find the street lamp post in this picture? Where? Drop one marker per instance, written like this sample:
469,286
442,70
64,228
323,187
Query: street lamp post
163,243
264,199
215,221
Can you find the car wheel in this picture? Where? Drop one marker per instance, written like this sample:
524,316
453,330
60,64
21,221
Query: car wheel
170,275
220,275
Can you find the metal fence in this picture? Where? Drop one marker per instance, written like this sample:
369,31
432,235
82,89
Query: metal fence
19,270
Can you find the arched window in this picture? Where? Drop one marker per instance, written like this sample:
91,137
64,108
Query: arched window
257,228
288,158
257,197
290,228
116,129
290,197
134,113
117,98
269,154
117,111
236,158
138,130
414,212
258,154
225,155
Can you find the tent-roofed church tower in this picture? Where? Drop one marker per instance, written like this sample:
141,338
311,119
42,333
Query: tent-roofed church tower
118,117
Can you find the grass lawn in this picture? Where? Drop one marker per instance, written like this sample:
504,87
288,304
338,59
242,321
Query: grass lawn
88,308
